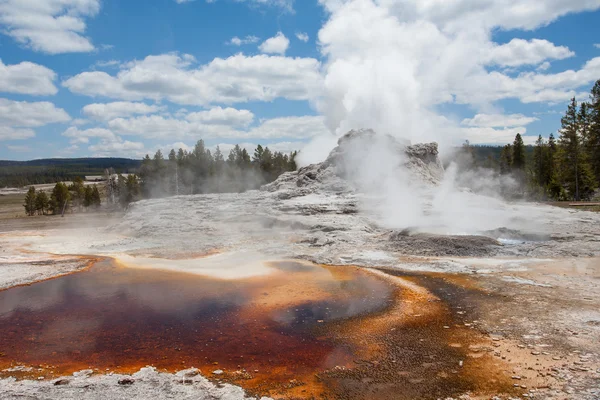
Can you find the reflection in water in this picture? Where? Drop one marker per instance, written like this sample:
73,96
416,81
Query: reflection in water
121,318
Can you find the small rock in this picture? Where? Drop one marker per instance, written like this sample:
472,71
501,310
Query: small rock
61,382
126,381
218,372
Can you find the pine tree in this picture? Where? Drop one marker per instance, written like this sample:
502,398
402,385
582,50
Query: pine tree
584,122
506,159
88,197
518,153
576,174
258,155
60,197
29,205
552,184
593,141
77,189
292,161
42,202
539,171
96,197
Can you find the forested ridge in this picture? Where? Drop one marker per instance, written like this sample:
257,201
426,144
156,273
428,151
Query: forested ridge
51,170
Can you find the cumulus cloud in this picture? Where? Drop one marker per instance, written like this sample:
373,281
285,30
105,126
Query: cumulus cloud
10,133
107,144
108,111
543,66
302,36
523,52
278,44
49,26
487,135
222,116
30,114
18,117
232,80
83,136
236,41
498,120
118,147
27,78
496,128
193,127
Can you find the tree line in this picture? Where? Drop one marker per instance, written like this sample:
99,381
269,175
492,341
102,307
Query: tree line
62,198
201,171
182,172
563,168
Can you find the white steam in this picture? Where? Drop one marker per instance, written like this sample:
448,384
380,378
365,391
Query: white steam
390,66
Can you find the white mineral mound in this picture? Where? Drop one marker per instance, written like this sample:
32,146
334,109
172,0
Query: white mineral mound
373,195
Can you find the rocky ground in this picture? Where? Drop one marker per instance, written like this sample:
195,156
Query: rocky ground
535,269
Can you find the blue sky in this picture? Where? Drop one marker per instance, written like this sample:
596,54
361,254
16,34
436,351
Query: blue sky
124,78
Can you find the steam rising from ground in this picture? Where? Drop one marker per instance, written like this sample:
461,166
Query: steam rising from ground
390,66
405,192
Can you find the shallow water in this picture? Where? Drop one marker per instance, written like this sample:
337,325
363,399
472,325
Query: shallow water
118,318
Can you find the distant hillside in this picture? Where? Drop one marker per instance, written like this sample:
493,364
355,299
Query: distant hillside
50,170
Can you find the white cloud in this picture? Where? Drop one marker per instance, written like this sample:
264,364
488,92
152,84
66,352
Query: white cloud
183,1
27,78
176,146
30,114
523,52
108,144
232,80
543,66
17,117
80,121
469,15
117,147
108,111
83,136
597,45
10,133
496,129
49,26
304,127
278,44
161,127
222,116
486,135
236,41
498,120
302,36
